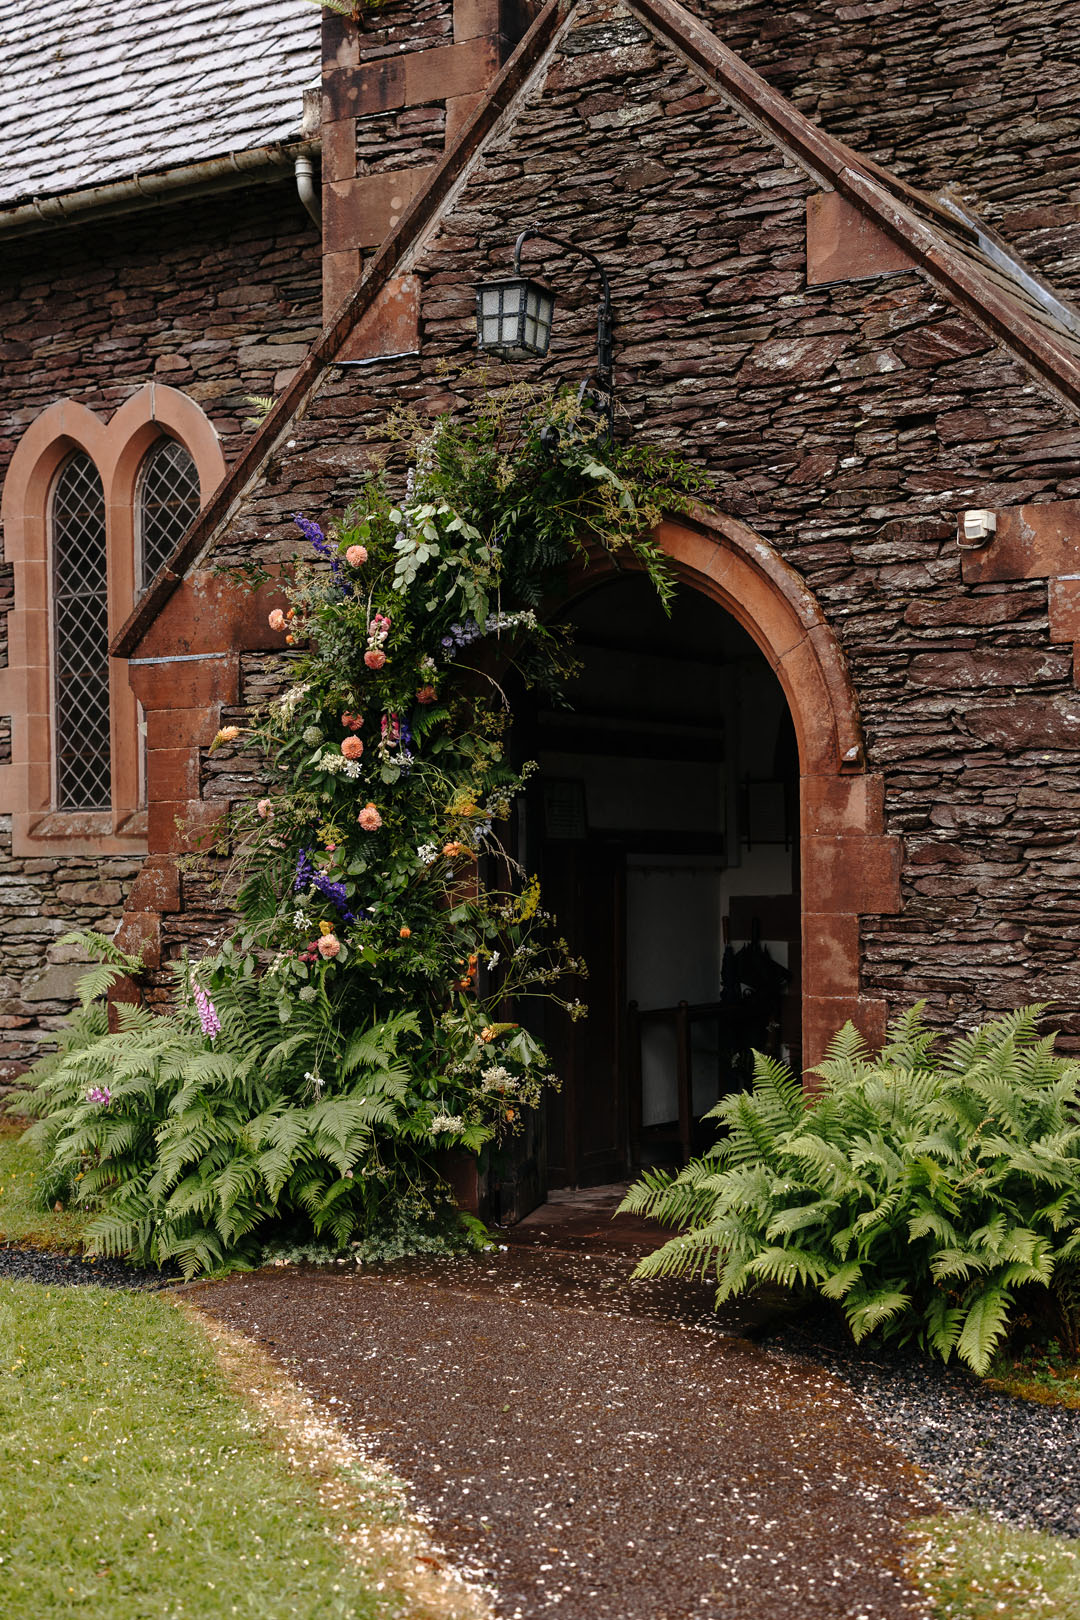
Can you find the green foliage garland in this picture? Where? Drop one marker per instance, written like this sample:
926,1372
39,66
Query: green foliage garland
922,1189
365,1018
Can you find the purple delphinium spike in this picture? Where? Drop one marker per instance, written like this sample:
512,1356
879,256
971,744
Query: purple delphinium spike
308,877
311,532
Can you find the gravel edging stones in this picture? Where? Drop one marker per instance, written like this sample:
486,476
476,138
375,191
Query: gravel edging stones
986,1452
72,1271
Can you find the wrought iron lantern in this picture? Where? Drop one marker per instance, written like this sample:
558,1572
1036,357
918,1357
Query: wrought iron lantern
514,316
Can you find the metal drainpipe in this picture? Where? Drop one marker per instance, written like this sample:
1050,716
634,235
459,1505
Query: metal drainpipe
91,203
308,192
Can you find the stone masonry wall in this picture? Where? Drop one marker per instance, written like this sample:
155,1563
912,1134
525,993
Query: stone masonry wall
397,93
980,95
846,423
219,299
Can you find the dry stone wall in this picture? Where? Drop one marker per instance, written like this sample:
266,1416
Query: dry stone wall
846,423
980,95
219,299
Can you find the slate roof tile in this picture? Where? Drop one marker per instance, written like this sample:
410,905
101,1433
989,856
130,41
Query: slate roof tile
92,93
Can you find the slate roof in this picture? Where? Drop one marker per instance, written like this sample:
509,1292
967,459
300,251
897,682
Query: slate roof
93,92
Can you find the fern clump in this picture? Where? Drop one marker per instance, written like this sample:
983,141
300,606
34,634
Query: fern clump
921,1187
197,1149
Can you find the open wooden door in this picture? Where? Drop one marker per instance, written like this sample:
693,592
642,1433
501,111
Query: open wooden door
584,883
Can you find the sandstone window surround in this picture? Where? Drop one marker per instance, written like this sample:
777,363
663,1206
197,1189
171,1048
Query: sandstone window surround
138,471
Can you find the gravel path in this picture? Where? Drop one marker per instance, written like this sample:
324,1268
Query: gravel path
596,1450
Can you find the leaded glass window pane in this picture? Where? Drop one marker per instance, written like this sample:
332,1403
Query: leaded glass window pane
80,638
168,501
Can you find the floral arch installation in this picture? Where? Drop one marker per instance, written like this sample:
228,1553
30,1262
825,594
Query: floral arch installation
850,867
116,451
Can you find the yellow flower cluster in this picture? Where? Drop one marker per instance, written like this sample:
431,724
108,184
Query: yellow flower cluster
528,901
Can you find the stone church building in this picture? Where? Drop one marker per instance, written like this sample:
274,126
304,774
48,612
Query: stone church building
843,242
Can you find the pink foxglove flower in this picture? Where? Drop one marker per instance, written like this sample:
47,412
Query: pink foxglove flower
208,1018
100,1095
369,818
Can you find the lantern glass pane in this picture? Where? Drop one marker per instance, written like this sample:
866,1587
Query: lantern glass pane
490,299
530,333
512,297
492,329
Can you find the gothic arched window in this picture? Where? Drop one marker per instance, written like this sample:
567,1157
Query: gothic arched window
80,625
91,511
168,501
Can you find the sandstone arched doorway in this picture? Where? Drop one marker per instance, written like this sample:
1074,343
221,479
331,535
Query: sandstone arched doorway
842,865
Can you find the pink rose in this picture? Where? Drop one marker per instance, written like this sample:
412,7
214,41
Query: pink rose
329,945
426,694
369,818
375,659
276,619
352,748
265,807
352,722
356,556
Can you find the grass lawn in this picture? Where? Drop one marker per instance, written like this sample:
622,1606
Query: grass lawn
136,1485
21,1219
976,1569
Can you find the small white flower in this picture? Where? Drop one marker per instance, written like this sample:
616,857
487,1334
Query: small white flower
307,992
352,768
494,959
447,1122
290,699
427,853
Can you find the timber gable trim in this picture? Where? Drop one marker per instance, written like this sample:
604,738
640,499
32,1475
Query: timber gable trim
293,404
922,227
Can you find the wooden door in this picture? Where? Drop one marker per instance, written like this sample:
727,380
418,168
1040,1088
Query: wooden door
584,886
